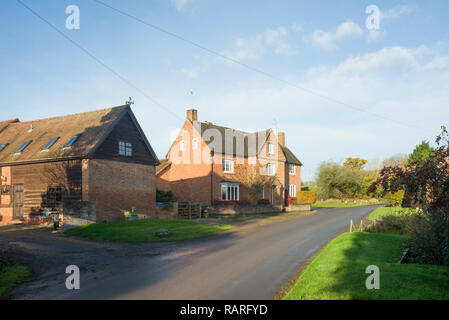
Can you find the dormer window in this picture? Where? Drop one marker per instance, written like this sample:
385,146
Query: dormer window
72,141
270,148
125,148
3,146
22,147
49,144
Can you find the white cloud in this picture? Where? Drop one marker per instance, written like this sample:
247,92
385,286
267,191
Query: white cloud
387,16
195,71
396,12
271,39
406,85
330,39
181,4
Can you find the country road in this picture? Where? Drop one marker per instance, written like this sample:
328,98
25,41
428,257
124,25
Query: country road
246,263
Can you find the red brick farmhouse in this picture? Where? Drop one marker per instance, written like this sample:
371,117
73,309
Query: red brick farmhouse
206,161
101,156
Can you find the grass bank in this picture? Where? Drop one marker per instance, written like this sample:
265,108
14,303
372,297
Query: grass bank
387,211
343,204
11,275
143,230
338,271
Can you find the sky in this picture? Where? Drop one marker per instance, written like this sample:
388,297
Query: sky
312,69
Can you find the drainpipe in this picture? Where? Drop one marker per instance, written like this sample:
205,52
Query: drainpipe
212,178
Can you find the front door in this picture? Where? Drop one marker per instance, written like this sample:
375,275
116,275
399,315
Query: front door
18,201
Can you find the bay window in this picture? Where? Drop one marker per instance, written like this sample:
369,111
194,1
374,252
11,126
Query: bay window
230,191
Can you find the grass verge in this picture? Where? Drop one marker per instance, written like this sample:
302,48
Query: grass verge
143,230
11,275
342,204
338,271
386,211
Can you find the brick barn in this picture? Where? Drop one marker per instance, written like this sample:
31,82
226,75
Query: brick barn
206,161
101,156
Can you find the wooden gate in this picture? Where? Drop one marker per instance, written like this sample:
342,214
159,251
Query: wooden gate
189,210
18,201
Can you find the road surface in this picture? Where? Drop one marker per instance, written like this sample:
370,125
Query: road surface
251,262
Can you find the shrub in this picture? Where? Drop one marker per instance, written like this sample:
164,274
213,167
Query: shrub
306,197
231,203
395,198
164,196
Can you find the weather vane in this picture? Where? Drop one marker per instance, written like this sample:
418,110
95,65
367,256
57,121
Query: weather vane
129,102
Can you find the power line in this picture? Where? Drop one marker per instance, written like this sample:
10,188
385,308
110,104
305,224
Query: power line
91,55
254,69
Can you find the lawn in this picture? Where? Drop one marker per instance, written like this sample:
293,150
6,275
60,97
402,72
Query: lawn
386,211
342,204
143,230
338,271
11,275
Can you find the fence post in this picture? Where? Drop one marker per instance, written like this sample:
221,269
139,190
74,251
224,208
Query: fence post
351,226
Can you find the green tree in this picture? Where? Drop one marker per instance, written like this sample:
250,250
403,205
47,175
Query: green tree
421,154
355,163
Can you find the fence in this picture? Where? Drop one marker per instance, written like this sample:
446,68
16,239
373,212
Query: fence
189,210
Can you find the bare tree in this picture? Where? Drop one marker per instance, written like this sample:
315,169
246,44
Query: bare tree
254,179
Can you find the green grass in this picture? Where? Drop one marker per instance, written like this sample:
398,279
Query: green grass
11,275
341,204
338,271
143,230
386,211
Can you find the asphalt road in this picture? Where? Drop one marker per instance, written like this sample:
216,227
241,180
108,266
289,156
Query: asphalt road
251,262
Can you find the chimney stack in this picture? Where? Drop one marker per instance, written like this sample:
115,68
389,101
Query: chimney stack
281,138
192,115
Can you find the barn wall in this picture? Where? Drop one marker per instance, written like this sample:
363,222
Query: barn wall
36,178
117,186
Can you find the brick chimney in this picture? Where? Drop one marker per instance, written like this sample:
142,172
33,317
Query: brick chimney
192,115
281,138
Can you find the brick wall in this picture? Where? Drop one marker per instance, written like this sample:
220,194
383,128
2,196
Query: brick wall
191,178
116,187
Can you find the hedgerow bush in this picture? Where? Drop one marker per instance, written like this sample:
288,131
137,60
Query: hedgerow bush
395,198
427,185
306,197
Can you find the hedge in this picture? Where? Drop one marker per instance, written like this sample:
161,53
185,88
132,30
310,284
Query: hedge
395,199
306,197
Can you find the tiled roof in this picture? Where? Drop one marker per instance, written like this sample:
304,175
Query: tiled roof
289,156
246,136
92,127
163,163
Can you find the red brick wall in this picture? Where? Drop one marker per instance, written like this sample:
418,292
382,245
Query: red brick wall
117,186
190,174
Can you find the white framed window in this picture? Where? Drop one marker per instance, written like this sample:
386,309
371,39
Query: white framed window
194,143
292,190
270,148
263,192
291,169
182,145
125,148
270,169
228,166
230,191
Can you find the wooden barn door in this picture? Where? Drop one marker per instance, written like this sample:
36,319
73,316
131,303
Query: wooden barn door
18,201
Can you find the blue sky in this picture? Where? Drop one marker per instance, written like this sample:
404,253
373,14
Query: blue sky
400,72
